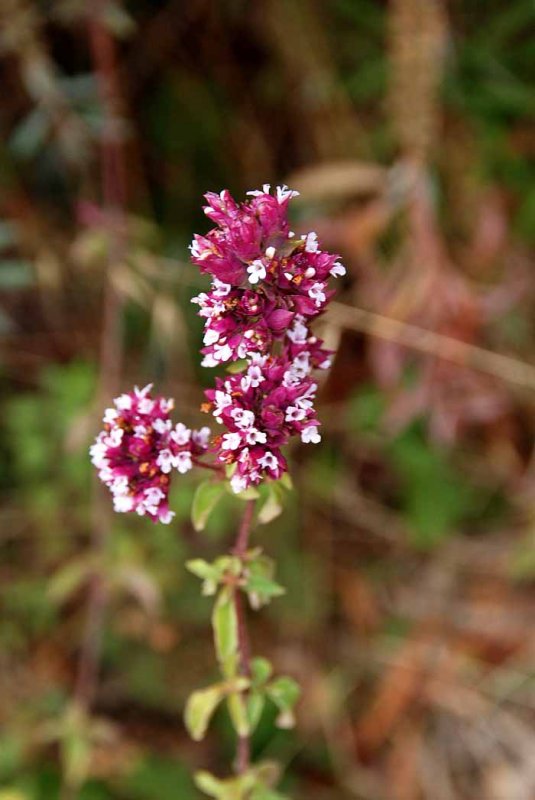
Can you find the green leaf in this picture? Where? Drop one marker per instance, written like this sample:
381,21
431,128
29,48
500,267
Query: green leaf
258,584
209,574
272,507
202,569
231,789
286,481
225,625
76,757
200,708
230,469
205,500
261,670
285,693
237,707
255,706
209,784
237,366
267,794
69,579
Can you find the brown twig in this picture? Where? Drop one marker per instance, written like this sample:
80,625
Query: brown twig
243,755
432,343
114,196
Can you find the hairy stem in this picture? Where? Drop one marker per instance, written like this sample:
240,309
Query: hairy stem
243,755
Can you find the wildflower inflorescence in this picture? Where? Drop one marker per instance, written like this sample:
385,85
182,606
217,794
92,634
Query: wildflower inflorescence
268,286
138,450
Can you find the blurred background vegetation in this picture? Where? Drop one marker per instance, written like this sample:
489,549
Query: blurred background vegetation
408,548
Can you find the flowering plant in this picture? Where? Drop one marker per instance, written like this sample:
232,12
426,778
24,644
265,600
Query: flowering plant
268,286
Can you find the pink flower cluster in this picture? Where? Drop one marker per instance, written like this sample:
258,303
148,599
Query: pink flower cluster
267,288
264,278
262,408
138,450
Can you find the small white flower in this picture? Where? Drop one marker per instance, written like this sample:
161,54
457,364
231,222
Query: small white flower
317,293
242,417
270,252
199,249
201,437
166,461
110,415
162,425
255,375
310,435
310,272
337,270
220,289
105,475
238,483
253,436
97,452
140,430
181,434
311,242
145,405
231,441
305,401
256,271
209,361
123,402
294,413
119,485
268,461
183,461
210,337
165,517
152,496
298,333
222,400
283,193
222,352
301,364
123,503
289,378
258,192
115,437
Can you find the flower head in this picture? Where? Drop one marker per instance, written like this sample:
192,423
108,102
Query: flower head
262,408
138,450
263,277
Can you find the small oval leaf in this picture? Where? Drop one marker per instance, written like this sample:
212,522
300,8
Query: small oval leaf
200,708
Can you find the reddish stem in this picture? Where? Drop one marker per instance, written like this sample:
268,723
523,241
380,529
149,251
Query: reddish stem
243,755
205,465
